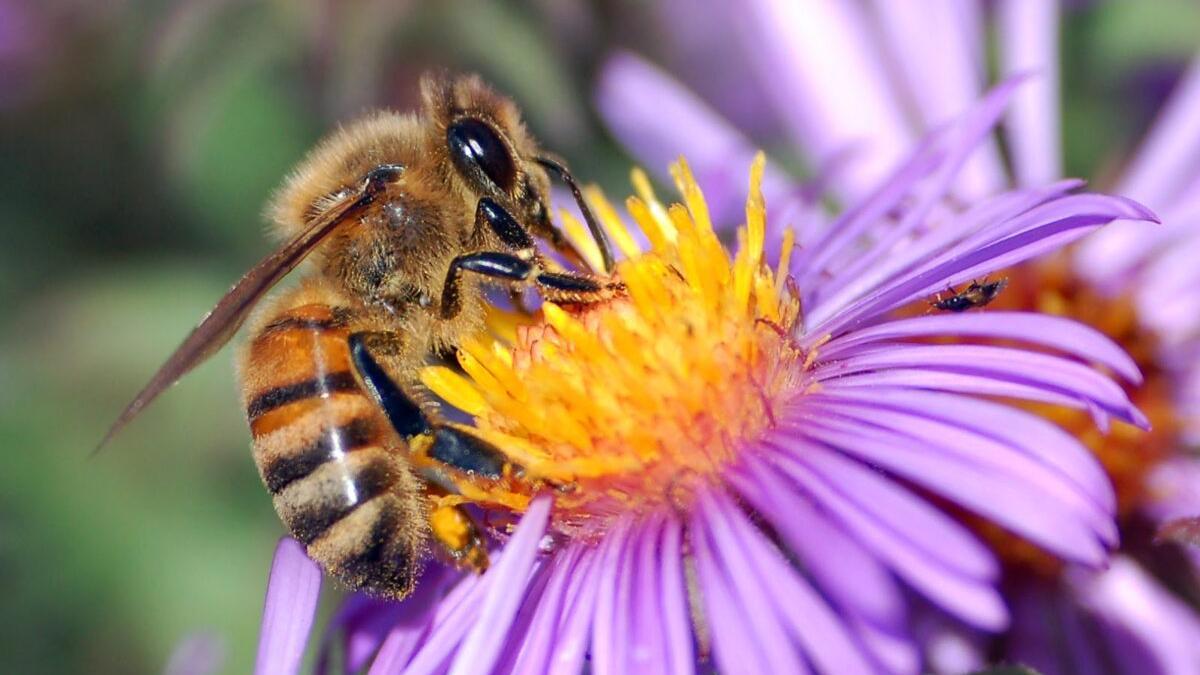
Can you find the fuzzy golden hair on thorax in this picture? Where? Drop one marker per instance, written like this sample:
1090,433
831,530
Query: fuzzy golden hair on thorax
340,162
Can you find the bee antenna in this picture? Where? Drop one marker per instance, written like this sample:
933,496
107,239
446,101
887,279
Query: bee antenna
598,235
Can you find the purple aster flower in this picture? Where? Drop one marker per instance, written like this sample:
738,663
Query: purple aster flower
741,468
865,80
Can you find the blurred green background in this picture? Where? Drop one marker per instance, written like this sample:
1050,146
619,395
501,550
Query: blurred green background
139,140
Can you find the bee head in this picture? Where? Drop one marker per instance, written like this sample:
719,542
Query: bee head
487,144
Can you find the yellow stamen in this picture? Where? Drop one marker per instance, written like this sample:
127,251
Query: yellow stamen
630,404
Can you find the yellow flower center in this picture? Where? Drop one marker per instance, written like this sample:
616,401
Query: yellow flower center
630,405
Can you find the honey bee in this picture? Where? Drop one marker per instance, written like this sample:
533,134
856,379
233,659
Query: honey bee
408,218
974,295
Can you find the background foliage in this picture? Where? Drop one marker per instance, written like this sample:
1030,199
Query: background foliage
140,139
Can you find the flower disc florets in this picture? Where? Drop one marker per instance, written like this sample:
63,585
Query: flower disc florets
630,404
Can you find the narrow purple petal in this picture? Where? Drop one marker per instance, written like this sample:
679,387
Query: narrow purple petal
506,588
972,600
1127,596
829,645
900,510
536,648
844,571
947,230
676,619
968,481
1071,337
518,633
575,628
939,54
1057,224
737,558
289,610
819,63
647,651
1017,429
1028,35
1169,158
841,567
735,620
962,383
608,642
657,119
427,649
1045,370
953,147
894,651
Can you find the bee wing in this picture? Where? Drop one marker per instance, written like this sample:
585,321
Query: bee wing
220,324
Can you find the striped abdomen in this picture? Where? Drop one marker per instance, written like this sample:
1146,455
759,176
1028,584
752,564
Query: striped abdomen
326,453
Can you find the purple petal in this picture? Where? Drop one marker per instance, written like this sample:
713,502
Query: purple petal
643,626
819,63
1056,225
745,637
608,642
949,150
535,649
575,627
985,221
938,50
1167,160
1044,370
1028,34
1126,596
1071,337
963,383
1017,429
895,507
826,640
427,648
657,119
845,572
971,600
289,610
1038,516
895,653
676,620
507,581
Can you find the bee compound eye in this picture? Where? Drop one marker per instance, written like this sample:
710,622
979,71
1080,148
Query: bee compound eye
475,146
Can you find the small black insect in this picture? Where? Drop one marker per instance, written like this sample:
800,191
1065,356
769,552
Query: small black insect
975,295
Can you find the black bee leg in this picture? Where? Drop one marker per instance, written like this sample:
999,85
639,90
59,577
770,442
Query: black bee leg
523,268
499,220
451,445
401,409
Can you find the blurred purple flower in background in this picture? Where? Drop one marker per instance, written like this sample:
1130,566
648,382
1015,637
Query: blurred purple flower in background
852,86
787,482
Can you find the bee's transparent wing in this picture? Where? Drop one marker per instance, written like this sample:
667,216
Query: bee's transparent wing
216,328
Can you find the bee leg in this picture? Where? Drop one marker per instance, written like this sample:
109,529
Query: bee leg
401,409
523,268
516,237
451,444
457,532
